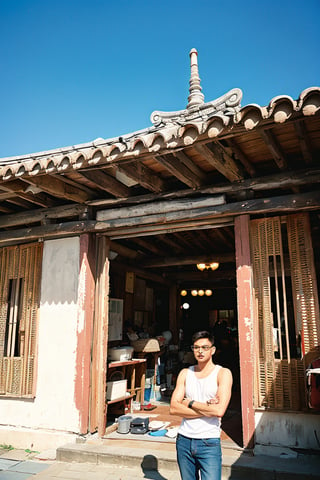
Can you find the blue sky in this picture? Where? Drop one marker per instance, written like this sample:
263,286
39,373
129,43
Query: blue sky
76,70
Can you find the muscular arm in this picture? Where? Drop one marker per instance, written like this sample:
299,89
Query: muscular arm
178,404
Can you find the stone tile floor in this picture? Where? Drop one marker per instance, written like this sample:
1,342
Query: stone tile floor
19,464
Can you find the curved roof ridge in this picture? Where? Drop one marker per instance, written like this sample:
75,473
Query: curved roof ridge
307,103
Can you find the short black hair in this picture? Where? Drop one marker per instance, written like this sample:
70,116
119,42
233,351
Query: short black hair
202,334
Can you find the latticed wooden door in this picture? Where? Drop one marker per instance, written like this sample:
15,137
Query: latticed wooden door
20,270
287,326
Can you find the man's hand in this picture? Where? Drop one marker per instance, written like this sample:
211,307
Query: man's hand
213,401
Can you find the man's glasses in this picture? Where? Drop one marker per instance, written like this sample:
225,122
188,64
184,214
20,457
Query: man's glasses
196,348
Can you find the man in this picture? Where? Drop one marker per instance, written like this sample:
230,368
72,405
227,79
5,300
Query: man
201,397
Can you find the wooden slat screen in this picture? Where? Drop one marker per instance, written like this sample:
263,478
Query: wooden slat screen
304,283
20,268
280,381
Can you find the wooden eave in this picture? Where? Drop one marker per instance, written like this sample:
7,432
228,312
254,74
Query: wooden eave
260,153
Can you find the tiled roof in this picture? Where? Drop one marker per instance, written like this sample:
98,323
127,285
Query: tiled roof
157,139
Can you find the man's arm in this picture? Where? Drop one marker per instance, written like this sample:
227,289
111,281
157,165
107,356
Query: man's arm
178,404
223,397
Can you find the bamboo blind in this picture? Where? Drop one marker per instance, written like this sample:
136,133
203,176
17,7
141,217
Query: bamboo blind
280,382
19,266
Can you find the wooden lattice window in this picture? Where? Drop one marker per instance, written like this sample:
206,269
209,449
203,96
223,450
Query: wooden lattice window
287,326
20,268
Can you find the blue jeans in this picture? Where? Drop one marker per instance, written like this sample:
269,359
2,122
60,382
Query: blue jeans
199,455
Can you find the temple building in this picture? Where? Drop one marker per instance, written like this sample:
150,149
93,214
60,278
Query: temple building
207,220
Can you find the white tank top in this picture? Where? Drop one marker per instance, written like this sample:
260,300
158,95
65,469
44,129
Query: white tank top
201,390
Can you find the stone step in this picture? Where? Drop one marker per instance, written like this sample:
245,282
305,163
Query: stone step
236,465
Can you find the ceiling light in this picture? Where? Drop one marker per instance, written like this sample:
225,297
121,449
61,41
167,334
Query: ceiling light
183,293
194,293
200,293
201,266
208,292
207,266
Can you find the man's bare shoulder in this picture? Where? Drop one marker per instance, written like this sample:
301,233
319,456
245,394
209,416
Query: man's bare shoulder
224,374
183,372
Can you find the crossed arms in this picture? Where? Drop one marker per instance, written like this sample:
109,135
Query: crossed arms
216,407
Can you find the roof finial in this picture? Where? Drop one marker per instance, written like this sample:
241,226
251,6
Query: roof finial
195,97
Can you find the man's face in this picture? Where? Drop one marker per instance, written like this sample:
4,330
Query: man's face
203,349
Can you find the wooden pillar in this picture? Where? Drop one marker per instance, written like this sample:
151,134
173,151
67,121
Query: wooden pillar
100,340
245,326
85,313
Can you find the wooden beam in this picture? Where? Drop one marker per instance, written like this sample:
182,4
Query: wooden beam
147,230
123,251
179,170
6,210
274,147
143,175
217,157
304,141
268,182
285,203
242,157
182,239
159,207
168,222
185,160
171,243
56,187
13,186
205,278
172,261
149,246
34,216
106,182
46,231
220,234
40,199
153,277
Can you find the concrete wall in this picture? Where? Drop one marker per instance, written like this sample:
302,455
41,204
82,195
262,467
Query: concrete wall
53,408
288,429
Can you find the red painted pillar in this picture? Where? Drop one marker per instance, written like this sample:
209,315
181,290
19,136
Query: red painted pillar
245,326
86,289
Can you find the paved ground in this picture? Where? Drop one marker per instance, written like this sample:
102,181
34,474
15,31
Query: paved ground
22,465
152,464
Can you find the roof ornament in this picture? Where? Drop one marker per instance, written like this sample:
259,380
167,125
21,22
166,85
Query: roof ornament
197,110
195,97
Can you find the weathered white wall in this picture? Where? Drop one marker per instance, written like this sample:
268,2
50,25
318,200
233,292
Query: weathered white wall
297,430
53,407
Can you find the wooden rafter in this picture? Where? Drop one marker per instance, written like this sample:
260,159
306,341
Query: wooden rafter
179,170
144,176
58,188
220,159
184,159
269,182
106,182
170,243
304,141
39,215
274,147
149,246
242,157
